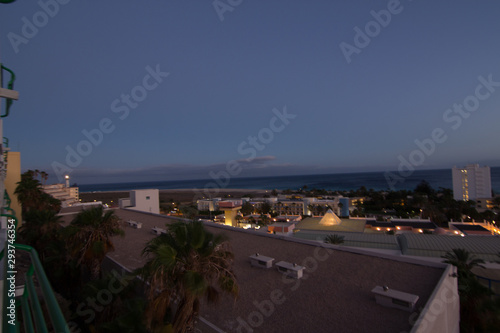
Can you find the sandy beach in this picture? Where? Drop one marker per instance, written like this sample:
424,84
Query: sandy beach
184,196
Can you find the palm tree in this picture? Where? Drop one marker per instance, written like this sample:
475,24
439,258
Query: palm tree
238,218
265,208
334,239
359,206
251,220
311,209
463,260
340,205
62,269
186,264
29,173
473,295
264,219
90,237
28,191
124,313
320,209
44,176
48,202
247,208
189,211
40,227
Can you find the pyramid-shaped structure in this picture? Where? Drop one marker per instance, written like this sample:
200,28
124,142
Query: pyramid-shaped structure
330,218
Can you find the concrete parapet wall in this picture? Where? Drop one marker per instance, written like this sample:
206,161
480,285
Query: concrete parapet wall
442,311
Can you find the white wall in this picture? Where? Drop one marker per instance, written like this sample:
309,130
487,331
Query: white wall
124,202
145,200
442,311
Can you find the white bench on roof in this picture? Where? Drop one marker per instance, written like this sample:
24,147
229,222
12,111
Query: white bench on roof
261,261
134,224
158,231
292,270
395,299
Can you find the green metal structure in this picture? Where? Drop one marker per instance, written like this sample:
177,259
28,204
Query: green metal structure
22,302
28,302
10,86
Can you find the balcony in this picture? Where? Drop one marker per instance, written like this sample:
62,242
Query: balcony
23,302
20,300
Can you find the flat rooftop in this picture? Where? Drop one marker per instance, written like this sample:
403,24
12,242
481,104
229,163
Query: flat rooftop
334,294
484,247
346,225
470,227
394,224
367,239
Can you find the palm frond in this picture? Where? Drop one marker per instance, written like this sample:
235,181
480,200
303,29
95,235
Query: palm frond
186,263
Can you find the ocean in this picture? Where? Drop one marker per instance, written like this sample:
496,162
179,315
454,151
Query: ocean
341,182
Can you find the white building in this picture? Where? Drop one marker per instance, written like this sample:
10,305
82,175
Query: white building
209,204
315,206
289,207
68,195
143,200
471,182
213,204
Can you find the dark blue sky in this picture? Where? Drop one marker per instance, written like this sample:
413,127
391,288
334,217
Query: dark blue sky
355,110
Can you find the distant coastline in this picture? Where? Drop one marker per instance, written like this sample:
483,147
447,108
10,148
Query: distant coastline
332,182
183,196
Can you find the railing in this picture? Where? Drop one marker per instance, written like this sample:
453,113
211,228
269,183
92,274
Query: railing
29,303
5,150
7,201
7,294
494,290
11,214
10,86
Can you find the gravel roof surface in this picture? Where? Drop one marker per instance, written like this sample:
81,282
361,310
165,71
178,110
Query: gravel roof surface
333,296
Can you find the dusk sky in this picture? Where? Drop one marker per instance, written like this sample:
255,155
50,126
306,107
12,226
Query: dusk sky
280,87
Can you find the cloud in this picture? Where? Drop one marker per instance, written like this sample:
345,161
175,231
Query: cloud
258,159
262,166
255,167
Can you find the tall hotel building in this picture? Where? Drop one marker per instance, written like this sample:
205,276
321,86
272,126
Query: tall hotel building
471,182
